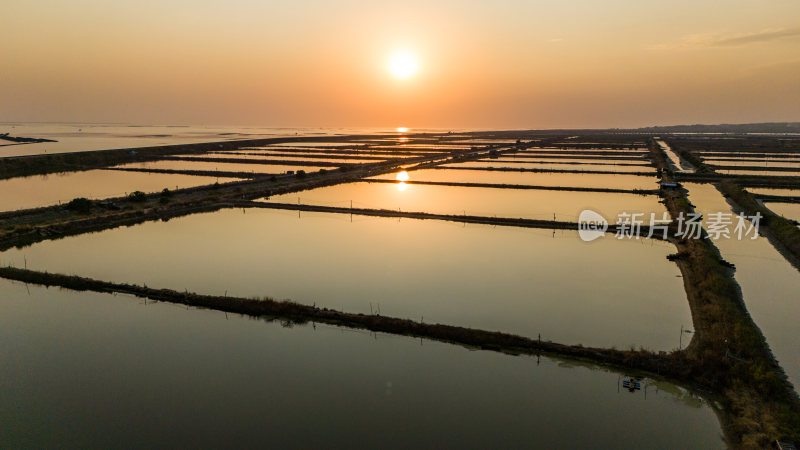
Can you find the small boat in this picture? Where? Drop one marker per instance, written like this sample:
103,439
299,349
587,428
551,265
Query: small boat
631,384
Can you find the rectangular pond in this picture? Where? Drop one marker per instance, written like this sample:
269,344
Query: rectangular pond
524,281
589,180
417,147
348,151
47,190
767,164
773,191
519,164
590,152
575,160
771,173
88,370
311,144
221,166
474,201
787,210
310,155
303,158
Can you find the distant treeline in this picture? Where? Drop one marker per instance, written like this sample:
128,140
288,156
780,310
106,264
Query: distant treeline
766,127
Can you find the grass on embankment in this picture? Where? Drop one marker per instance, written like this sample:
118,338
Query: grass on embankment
669,365
779,228
729,352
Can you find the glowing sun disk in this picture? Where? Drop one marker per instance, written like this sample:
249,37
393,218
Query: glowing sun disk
403,65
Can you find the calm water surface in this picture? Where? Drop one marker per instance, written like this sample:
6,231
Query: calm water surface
599,160
222,166
771,173
77,137
788,210
514,203
520,164
765,163
531,178
524,281
93,370
768,191
284,158
46,190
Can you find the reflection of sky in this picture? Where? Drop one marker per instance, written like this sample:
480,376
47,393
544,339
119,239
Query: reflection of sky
531,178
499,278
511,203
173,360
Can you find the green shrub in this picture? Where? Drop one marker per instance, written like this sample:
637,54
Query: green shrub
165,196
80,204
137,196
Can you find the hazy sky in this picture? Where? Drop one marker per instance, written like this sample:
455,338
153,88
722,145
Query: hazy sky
484,64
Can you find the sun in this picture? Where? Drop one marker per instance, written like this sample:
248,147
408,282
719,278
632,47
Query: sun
403,65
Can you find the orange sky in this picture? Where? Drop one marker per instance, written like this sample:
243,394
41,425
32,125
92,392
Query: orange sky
499,64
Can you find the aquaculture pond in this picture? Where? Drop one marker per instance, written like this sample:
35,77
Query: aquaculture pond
576,160
525,281
47,190
312,144
578,151
772,173
318,151
788,210
283,157
87,370
588,180
769,283
302,154
773,191
457,200
222,166
341,148
518,164
759,154
417,147
762,163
